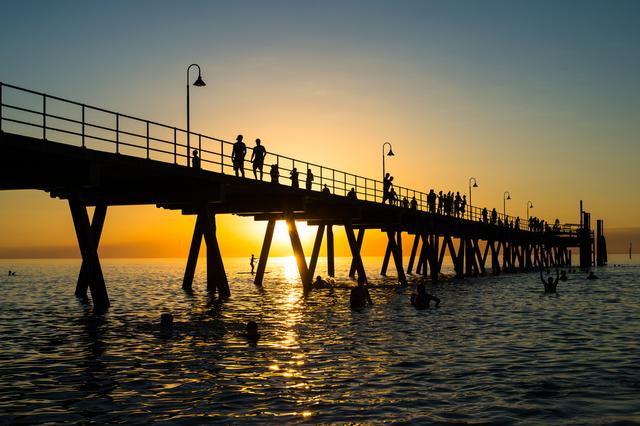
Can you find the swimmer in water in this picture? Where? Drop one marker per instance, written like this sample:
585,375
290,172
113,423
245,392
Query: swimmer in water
320,283
360,295
592,276
563,275
252,331
422,299
551,284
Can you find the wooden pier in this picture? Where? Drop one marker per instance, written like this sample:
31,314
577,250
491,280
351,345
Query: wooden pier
92,157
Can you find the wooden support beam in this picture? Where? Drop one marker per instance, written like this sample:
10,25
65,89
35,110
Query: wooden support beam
422,257
426,254
432,252
264,253
88,250
194,251
397,259
355,251
299,253
316,251
399,246
482,258
97,223
216,275
412,256
359,241
469,255
331,269
460,258
385,260
445,244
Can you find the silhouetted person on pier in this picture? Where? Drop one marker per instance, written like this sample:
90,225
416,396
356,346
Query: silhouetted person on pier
563,275
274,173
386,187
294,178
360,296
463,205
422,299
352,194
195,160
431,201
456,204
252,262
414,203
257,158
325,189
550,284
516,224
494,216
405,202
485,215
592,276
252,331
393,197
309,182
440,202
237,156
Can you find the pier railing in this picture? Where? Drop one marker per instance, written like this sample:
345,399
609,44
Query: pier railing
51,118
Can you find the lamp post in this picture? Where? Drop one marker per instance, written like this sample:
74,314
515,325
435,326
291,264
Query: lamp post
390,154
475,185
198,83
506,196
529,205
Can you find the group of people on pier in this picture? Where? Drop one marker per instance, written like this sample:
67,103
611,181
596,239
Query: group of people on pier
448,204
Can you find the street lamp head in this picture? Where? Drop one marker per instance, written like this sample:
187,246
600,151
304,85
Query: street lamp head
509,197
475,185
390,153
199,82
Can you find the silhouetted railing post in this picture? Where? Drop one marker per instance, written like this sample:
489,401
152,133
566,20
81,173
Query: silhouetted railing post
147,140
1,86
200,145
222,157
83,144
44,117
175,146
117,133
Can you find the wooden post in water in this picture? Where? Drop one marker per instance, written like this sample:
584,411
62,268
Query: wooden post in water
216,275
359,241
298,252
397,256
316,251
331,269
355,251
264,252
88,250
97,223
414,249
194,251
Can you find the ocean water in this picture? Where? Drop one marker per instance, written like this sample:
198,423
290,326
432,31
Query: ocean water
497,350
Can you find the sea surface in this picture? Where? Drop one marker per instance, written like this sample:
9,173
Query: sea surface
496,351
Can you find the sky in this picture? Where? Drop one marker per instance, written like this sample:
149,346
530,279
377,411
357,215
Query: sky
538,98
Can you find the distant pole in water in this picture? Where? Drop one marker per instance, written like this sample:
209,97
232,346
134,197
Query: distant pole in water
630,245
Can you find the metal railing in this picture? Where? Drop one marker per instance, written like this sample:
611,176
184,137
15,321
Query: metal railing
50,118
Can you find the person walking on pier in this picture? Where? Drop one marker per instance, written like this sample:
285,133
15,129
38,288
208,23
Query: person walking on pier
274,173
485,214
352,194
294,178
257,158
237,156
195,160
393,197
325,189
360,296
414,203
440,202
463,206
405,202
431,201
494,216
309,181
551,284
